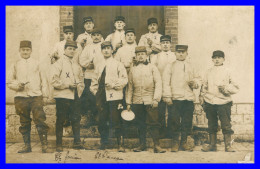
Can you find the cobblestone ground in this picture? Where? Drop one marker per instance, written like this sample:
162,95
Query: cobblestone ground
244,151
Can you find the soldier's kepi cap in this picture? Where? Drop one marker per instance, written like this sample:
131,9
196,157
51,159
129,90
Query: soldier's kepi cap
181,47
140,49
152,20
119,18
218,53
67,28
71,43
97,31
25,44
165,38
130,30
87,19
105,44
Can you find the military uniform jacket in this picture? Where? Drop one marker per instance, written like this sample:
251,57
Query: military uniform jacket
65,72
115,76
91,55
27,70
144,85
126,54
175,81
116,38
218,76
162,59
155,37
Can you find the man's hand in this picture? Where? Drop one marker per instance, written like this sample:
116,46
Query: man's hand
192,84
201,100
155,49
73,86
149,42
168,101
45,101
119,45
91,66
21,87
223,90
128,107
154,104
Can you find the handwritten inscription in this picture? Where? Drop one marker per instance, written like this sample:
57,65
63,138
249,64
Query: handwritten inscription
100,155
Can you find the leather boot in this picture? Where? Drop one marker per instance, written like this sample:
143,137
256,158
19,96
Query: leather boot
44,142
227,140
27,144
184,145
120,143
175,143
103,140
212,145
76,133
155,135
142,140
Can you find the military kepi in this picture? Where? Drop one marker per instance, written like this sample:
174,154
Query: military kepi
25,44
165,38
87,19
105,44
140,49
71,43
181,47
67,29
120,18
152,20
130,30
218,53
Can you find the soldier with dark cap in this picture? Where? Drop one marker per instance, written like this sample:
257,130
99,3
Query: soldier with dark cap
108,86
85,38
67,80
179,81
161,60
151,40
216,91
89,59
144,91
58,50
117,38
31,88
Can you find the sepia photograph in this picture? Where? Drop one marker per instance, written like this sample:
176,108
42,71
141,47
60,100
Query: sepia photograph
130,84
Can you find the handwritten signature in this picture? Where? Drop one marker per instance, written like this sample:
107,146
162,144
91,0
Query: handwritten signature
105,154
58,156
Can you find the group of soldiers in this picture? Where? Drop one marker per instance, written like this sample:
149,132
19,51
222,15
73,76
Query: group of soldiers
104,77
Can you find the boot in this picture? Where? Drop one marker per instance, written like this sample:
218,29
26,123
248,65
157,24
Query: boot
184,145
227,140
120,143
44,142
78,145
155,135
212,145
103,140
175,143
142,140
59,140
76,133
27,144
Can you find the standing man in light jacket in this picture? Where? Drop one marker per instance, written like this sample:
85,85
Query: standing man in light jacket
67,80
179,81
144,91
89,59
32,92
216,91
108,86
161,60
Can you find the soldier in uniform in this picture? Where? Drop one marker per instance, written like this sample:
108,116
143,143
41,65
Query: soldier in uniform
216,91
151,40
31,89
161,60
90,57
85,38
58,50
108,86
179,81
144,91
117,38
67,80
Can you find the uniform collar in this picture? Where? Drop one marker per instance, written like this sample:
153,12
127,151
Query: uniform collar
156,33
86,33
67,58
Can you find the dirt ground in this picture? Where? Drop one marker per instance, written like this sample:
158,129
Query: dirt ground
244,153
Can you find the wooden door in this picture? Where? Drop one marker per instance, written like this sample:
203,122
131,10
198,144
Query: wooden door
136,17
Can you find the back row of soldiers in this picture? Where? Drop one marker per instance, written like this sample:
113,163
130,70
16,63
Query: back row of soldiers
119,75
